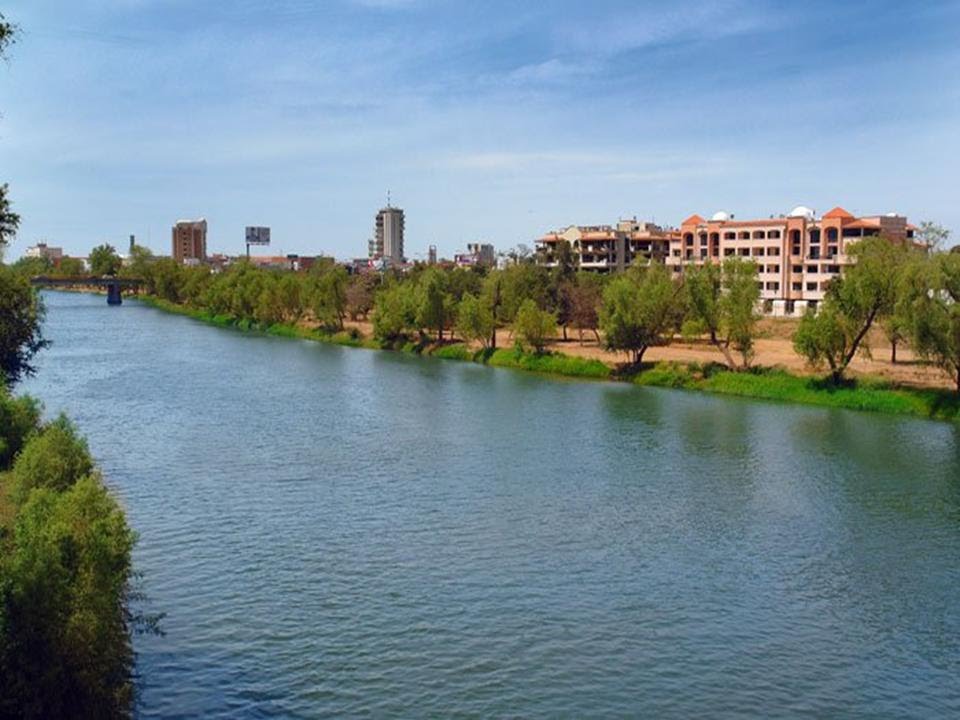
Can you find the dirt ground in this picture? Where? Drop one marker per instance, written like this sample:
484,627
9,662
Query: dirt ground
774,349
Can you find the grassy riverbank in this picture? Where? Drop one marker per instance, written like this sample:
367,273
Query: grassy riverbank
761,383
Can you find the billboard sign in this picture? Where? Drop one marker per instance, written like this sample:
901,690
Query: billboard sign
258,236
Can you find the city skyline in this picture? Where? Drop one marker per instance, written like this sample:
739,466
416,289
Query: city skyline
301,118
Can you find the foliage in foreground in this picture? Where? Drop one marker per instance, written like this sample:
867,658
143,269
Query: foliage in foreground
65,574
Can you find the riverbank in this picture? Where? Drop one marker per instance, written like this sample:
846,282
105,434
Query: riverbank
762,383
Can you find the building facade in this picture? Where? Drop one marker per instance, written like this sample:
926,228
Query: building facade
797,255
47,252
477,254
607,248
387,242
189,243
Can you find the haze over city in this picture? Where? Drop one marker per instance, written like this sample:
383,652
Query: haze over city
493,122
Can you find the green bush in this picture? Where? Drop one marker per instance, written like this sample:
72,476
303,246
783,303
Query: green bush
64,636
19,417
54,458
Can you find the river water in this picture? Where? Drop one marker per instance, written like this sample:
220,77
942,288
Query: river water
341,532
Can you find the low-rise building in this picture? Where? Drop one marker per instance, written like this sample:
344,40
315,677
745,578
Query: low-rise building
477,254
797,255
606,248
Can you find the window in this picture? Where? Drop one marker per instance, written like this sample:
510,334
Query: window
744,234
811,268
833,269
773,268
811,286
758,252
759,235
703,238
814,253
795,250
797,286
773,234
773,251
729,235
727,252
796,269
744,252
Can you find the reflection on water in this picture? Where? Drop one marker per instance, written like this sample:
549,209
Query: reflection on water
341,532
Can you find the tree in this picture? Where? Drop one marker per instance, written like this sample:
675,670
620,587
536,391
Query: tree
64,621
70,267
865,293
19,418
933,315
139,261
330,294
21,316
585,296
55,458
639,311
394,311
8,32
9,220
932,235
492,296
104,260
434,306
475,322
533,326
721,303
359,297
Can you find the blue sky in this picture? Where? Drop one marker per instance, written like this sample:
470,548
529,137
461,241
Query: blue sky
488,120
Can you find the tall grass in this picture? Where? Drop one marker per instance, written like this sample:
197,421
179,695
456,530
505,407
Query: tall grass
773,384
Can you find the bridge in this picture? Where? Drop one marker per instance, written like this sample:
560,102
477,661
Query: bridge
114,285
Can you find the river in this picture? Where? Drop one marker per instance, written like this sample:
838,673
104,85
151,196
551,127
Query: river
343,532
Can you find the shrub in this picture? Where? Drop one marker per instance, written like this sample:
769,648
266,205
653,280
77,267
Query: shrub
55,458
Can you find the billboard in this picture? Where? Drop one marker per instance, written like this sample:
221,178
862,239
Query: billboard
258,236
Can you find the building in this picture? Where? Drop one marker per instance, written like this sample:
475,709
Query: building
797,255
606,248
47,252
477,254
387,242
189,243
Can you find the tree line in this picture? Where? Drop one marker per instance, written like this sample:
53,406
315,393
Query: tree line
911,294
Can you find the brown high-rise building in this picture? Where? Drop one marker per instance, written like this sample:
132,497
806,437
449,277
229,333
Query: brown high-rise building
190,240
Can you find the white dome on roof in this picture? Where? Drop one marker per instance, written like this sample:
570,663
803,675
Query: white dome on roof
721,216
802,211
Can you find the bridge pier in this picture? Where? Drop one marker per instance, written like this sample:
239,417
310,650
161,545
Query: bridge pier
113,294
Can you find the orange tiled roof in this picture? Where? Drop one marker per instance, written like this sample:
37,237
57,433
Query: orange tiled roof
839,212
693,219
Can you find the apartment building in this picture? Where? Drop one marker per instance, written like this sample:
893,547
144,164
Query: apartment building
797,255
607,248
387,242
189,243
